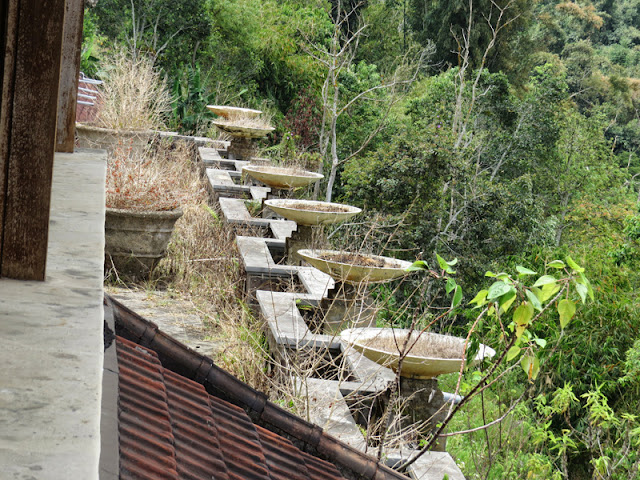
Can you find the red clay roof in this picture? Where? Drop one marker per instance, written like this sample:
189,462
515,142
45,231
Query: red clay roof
171,428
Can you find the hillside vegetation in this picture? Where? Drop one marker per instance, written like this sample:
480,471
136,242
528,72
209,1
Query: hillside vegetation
503,133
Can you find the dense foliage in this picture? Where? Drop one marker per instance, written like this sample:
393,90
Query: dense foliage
503,133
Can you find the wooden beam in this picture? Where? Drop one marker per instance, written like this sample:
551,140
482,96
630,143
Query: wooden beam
9,23
29,111
69,72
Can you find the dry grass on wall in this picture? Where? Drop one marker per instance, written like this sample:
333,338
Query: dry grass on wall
203,265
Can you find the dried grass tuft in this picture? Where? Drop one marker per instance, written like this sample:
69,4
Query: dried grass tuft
134,95
249,121
160,179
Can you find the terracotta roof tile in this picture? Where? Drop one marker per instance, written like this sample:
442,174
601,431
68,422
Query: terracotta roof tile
146,438
239,441
319,469
171,428
284,460
196,436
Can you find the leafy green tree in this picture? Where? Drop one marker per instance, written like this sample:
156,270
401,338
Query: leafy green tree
388,36
449,24
168,31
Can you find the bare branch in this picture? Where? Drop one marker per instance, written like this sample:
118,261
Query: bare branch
481,384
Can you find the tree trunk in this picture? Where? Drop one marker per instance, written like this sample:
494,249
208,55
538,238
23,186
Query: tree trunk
334,147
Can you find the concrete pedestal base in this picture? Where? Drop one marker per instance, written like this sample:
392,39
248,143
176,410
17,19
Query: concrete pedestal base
301,238
241,148
424,402
346,308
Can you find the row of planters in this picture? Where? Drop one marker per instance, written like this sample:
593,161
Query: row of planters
142,191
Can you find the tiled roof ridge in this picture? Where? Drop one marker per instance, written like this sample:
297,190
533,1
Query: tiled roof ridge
177,357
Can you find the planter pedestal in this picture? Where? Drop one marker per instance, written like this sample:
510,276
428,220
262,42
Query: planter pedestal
301,237
136,241
242,148
424,401
347,307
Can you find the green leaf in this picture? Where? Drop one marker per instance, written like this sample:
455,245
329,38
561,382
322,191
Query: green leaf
548,291
446,266
582,291
489,274
541,342
525,363
513,353
545,280
417,265
538,293
457,297
566,309
524,271
506,300
574,265
504,277
535,301
520,330
531,366
523,314
497,290
480,299
303,306
585,281
451,284
559,264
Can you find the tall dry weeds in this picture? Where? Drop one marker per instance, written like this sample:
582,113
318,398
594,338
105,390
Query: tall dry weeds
241,119
134,95
142,182
203,265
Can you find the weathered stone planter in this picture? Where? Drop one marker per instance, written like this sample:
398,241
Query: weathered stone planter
90,136
242,146
281,177
136,241
430,355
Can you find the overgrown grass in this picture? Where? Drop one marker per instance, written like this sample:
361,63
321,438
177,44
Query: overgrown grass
133,96
202,266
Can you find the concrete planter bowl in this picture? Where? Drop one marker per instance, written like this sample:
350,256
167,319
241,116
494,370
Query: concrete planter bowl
136,241
231,112
311,212
90,136
242,131
281,177
369,269
425,360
